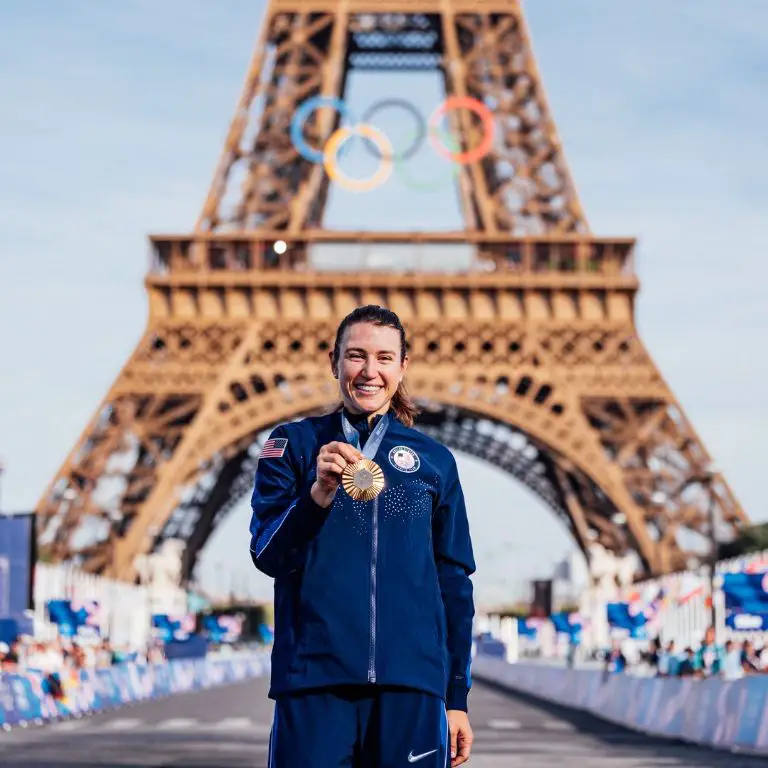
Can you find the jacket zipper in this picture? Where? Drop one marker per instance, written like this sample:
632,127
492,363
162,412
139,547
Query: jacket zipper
374,558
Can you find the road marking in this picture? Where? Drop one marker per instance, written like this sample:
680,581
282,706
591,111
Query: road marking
68,725
505,725
558,725
121,724
240,747
234,724
176,724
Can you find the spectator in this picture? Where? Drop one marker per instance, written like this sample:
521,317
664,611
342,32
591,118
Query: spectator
687,667
104,655
668,661
732,661
709,658
616,661
653,656
9,658
749,660
571,654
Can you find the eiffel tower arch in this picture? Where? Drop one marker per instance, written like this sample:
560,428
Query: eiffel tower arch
528,358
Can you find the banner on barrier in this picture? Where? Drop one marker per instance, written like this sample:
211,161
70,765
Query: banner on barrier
75,617
715,712
35,696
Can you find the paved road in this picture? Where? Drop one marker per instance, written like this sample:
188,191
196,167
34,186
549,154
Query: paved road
229,728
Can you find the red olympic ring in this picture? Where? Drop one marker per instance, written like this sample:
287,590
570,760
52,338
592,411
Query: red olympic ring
481,110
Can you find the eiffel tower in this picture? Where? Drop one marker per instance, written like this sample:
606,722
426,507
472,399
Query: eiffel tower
529,358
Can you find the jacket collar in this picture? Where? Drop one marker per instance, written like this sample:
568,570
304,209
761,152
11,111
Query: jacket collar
360,420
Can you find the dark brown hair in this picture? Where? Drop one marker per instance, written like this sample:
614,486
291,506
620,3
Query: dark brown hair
402,403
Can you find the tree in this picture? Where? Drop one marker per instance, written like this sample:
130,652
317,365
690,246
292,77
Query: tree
752,539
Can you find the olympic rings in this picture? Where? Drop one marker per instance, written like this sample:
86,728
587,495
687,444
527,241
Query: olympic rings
358,185
485,114
447,147
302,113
408,107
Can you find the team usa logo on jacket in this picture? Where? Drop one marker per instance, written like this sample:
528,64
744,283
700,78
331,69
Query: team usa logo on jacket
403,458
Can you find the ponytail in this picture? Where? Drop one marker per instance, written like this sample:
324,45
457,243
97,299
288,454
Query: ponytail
403,406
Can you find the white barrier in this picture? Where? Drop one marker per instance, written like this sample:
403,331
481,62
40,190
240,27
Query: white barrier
686,613
125,608
716,713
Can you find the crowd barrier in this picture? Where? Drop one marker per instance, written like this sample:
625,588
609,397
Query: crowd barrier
27,698
715,713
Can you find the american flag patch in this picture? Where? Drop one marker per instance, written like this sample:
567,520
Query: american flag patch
274,448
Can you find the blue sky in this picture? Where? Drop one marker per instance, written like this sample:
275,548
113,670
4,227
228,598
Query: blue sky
113,119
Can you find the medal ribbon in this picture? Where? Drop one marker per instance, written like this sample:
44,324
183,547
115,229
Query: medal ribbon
373,442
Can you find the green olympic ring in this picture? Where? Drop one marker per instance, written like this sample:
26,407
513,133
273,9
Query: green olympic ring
432,185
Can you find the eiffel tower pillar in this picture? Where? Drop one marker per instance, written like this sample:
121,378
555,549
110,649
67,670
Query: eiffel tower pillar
529,359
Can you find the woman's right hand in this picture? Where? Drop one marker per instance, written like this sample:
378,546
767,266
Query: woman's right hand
331,462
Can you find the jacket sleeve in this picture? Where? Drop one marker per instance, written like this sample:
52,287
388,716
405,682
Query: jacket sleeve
284,514
455,564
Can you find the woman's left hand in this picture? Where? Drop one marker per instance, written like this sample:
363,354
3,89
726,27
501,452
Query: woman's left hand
461,736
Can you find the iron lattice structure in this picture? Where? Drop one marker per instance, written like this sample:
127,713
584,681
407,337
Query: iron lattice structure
531,360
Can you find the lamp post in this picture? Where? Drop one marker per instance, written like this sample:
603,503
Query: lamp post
708,481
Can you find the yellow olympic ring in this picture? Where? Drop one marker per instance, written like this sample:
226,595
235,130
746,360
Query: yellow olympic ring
331,151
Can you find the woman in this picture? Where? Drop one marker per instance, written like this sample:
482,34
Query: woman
361,521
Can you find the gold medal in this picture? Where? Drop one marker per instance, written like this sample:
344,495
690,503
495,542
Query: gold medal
363,480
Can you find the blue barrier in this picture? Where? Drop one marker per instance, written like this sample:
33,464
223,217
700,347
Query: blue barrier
27,698
729,714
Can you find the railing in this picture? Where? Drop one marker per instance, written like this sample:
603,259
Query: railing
404,252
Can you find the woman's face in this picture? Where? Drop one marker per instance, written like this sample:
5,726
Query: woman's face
369,367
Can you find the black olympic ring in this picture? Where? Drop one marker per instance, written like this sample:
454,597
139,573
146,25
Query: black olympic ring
421,132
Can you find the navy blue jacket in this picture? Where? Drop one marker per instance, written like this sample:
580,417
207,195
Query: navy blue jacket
366,592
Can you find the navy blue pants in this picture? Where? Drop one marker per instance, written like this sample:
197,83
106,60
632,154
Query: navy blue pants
361,726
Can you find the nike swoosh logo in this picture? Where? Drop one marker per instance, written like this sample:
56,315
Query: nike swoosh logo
415,758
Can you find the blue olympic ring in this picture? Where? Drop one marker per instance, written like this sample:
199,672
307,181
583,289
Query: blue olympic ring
302,113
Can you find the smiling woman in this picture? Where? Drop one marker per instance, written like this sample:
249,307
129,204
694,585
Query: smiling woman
361,521
369,359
